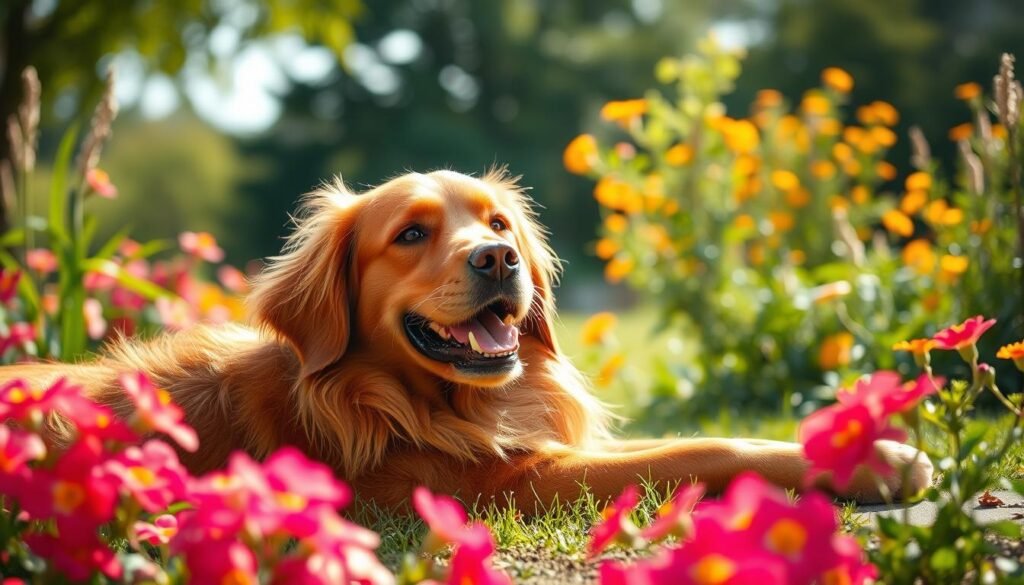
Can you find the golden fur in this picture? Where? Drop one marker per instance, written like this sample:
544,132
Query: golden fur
329,369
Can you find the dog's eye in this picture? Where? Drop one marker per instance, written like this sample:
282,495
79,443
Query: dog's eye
411,235
498,224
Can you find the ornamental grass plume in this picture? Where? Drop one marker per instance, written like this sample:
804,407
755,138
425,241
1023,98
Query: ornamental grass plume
99,128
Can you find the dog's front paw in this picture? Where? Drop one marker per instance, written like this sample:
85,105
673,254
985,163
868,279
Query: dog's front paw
907,463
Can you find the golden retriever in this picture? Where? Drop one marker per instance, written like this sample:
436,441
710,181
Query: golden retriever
405,337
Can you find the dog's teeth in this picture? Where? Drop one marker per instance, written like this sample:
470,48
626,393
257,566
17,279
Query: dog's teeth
508,319
473,344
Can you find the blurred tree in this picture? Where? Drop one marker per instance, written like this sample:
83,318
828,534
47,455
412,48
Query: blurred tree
66,39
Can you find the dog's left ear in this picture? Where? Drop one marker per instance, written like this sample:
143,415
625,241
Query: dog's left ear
538,255
304,295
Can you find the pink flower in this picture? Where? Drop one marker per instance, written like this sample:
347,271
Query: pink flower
99,183
42,260
156,411
841,437
77,559
315,569
849,566
963,335
20,335
175,314
799,535
151,474
443,515
21,402
91,418
17,449
95,324
161,531
233,279
471,561
202,245
614,521
9,285
353,545
885,394
221,561
674,515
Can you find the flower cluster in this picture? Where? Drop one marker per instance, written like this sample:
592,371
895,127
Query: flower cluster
76,480
754,534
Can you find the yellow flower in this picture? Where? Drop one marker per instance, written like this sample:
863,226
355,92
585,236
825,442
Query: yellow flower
842,152
1013,351
898,223
885,113
919,256
606,248
836,351
815,104
580,155
913,201
823,170
961,132
598,327
919,181
798,197
784,180
939,212
829,126
610,368
625,111
999,131
885,170
967,91
747,189
952,267
746,165
837,79
618,269
616,223
782,220
838,202
679,155
740,135
852,167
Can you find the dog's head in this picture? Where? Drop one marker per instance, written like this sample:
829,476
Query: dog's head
441,270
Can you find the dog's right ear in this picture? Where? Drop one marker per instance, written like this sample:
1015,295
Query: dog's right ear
305,295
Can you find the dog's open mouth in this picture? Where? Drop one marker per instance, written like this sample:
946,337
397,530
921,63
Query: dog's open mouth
486,343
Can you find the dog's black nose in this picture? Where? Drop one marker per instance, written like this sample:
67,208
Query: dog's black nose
494,261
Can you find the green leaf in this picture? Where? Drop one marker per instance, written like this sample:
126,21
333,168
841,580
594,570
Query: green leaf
109,248
126,279
1007,528
973,436
58,186
26,287
13,237
944,559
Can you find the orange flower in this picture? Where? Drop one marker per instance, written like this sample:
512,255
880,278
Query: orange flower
625,111
768,98
598,327
981,227
913,201
797,257
836,351
1013,351
580,155
746,165
618,195
878,112
744,222
679,155
961,132
823,170
915,346
782,220
617,269
885,170
967,91
860,194
842,152
606,248
837,79
883,135
610,368
784,180
798,197
616,223
740,136
898,223
919,256
919,181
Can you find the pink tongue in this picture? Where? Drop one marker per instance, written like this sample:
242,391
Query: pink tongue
490,333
